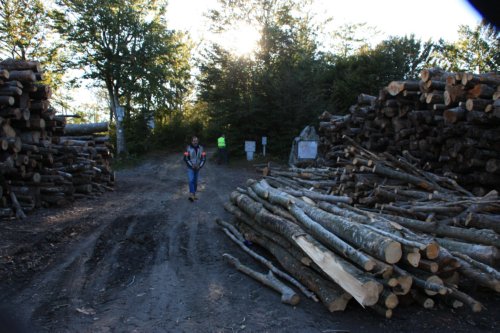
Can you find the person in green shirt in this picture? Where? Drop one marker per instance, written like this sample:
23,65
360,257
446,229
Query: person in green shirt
222,151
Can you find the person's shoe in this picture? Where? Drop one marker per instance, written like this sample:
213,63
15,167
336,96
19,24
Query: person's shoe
191,197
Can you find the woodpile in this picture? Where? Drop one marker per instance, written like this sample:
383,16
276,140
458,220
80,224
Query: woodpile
375,228
43,161
447,122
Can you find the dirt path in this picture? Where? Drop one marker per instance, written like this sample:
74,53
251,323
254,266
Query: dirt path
145,259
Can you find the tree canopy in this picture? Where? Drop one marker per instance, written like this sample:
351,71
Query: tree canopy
477,50
125,45
296,72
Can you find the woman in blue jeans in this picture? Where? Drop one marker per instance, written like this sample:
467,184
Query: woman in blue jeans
195,158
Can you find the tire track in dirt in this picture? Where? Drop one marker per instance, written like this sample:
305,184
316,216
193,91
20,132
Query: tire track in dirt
72,282
152,262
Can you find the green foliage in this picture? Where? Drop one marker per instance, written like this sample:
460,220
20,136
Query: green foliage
477,50
23,24
350,38
398,58
26,33
276,92
177,132
288,82
81,118
126,46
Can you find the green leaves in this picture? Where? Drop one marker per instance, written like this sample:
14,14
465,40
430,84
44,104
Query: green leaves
23,25
126,45
477,50
274,92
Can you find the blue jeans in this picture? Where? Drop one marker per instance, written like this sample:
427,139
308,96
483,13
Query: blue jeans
193,180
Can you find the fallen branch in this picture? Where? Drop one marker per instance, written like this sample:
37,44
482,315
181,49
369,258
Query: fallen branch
288,296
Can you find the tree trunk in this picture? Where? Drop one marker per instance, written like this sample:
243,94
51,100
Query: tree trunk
476,104
23,76
7,100
330,294
236,237
11,64
454,115
288,296
395,87
379,246
483,253
350,278
121,146
85,129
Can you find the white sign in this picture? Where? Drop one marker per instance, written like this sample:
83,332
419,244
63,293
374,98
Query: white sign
250,146
264,140
308,149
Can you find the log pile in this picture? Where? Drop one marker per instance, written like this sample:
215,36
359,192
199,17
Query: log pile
375,228
42,161
447,121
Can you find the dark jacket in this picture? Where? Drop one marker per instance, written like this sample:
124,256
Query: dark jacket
195,157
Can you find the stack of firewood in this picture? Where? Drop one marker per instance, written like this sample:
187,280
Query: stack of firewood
41,164
375,228
447,121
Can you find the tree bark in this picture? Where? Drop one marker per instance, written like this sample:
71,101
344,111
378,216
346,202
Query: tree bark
86,129
350,278
288,296
330,294
22,75
16,64
379,246
395,87
7,100
454,115
236,237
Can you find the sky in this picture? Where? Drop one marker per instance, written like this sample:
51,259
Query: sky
427,19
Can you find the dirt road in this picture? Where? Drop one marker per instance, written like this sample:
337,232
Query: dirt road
145,259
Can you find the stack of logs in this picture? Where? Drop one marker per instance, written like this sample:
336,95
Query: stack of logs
375,228
43,161
447,121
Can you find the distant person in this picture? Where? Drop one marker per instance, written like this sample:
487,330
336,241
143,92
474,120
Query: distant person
222,151
195,158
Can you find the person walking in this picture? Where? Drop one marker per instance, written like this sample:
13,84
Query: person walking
222,152
195,158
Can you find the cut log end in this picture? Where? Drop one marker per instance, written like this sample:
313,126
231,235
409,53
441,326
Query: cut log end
432,251
393,252
413,258
383,311
391,301
370,265
292,299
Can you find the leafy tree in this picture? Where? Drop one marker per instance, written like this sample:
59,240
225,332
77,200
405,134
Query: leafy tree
26,33
350,38
276,91
477,50
397,58
403,57
125,45
23,24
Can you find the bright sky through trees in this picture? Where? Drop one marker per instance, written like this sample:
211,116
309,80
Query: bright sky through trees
425,18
